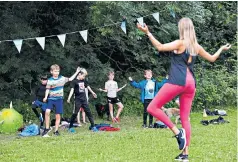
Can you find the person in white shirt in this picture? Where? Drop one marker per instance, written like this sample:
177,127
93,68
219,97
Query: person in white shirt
111,88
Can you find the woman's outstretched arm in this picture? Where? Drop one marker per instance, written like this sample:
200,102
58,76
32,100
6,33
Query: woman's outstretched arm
212,58
175,45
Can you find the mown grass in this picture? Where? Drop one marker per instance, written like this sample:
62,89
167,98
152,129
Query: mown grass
213,143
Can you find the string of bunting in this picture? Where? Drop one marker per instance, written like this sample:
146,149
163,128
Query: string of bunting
83,33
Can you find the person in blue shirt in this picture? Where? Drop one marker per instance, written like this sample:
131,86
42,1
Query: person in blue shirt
149,88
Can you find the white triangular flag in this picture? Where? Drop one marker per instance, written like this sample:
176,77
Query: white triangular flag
156,16
41,41
84,34
18,44
62,38
140,20
123,26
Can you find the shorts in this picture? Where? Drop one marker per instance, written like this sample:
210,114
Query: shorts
113,100
39,104
58,104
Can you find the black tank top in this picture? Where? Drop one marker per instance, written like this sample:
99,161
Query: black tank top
178,68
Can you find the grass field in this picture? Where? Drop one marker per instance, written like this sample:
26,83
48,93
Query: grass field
216,143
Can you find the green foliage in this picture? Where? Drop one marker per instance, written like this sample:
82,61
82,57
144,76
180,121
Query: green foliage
26,110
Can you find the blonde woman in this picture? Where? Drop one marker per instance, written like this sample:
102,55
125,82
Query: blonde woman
181,80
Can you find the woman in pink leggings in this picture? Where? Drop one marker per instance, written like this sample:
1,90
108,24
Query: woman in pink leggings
181,80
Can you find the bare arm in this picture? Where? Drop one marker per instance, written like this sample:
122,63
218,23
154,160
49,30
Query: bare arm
70,94
175,45
90,90
75,74
121,88
212,58
46,95
103,90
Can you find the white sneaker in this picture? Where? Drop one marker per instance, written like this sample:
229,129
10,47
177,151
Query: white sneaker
45,136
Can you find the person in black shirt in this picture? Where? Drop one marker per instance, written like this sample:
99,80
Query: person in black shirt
78,88
38,100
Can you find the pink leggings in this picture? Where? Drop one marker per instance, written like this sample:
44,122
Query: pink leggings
167,93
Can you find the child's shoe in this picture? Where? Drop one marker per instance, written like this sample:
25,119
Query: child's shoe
45,132
185,158
72,130
94,129
181,157
56,133
150,126
118,119
114,120
144,126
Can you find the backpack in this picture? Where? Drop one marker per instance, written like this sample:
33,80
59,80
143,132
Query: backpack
30,130
220,112
159,124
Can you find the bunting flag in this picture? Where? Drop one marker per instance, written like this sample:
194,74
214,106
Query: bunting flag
156,16
18,44
140,20
62,38
41,41
84,34
123,26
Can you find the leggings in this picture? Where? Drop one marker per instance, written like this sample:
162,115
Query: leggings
167,93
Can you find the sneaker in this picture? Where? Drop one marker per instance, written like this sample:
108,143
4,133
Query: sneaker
114,120
144,126
181,157
41,118
94,129
185,158
151,126
46,135
45,132
72,130
56,133
181,138
118,119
